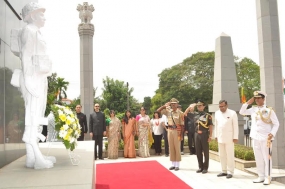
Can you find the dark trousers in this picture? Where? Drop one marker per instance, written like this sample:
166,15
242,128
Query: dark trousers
202,146
182,143
166,146
191,142
98,141
157,143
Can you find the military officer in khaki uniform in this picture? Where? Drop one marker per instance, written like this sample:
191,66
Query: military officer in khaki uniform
203,134
175,120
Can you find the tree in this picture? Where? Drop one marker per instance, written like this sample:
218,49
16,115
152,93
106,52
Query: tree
192,80
115,94
156,101
56,86
61,87
248,76
147,103
187,81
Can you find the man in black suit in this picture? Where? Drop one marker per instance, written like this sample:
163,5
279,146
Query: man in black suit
82,121
97,128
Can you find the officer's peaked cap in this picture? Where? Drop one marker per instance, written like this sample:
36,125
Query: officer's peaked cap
174,101
259,94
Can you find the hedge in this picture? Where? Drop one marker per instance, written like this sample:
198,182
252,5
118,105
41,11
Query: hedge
241,151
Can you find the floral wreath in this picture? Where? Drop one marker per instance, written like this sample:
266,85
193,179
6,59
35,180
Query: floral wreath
67,126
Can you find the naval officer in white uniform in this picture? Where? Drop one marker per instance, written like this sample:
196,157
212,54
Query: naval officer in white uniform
263,128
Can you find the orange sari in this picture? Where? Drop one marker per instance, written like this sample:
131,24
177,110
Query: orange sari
129,139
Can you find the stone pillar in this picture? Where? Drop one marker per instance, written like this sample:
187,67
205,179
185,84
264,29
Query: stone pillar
225,80
86,32
271,70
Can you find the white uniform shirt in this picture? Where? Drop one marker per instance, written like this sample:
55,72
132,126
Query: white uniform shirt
157,127
260,129
226,126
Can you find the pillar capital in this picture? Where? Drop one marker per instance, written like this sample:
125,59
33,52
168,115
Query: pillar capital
86,29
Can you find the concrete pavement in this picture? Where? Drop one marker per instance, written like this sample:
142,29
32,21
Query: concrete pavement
187,173
65,175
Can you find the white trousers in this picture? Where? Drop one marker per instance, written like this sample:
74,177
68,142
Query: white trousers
227,157
261,153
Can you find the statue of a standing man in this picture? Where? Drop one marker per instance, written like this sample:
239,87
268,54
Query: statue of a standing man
36,66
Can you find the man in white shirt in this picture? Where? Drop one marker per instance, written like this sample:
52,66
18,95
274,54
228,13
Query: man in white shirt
263,129
226,129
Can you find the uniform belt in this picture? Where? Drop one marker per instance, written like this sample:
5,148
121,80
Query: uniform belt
200,132
172,127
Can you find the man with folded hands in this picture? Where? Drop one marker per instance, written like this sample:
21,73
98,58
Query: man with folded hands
226,132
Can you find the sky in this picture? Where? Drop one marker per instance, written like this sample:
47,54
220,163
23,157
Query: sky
135,40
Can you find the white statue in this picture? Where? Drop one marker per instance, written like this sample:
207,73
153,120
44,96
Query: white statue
85,12
29,45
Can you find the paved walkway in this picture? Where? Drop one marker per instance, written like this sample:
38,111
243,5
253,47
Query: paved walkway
15,175
187,173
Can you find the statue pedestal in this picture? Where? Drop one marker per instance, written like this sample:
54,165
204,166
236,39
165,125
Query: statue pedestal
57,177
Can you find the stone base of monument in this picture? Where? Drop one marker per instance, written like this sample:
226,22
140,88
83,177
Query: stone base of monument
63,175
277,174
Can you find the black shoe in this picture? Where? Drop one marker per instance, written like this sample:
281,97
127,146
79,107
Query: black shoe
199,171
229,176
176,168
166,155
101,158
172,168
222,174
204,171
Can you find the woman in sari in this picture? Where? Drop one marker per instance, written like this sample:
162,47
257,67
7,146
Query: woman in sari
129,131
144,133
113,134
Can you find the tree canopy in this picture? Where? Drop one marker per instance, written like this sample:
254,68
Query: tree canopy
192,80
187,81
248,76
115,95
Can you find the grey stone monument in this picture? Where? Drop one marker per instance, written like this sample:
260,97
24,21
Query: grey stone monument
271,70
225,79
86,32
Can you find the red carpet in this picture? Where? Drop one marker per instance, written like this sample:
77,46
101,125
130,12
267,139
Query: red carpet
136,175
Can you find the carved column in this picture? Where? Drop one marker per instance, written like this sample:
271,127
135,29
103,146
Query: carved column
86,32
271,70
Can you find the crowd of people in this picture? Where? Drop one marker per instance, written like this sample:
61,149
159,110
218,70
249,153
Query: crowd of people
171,123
